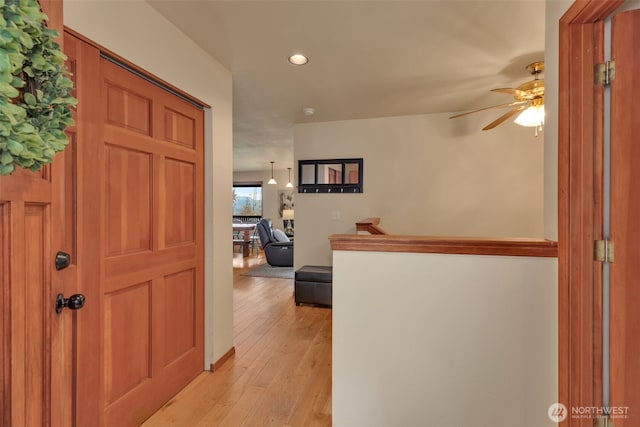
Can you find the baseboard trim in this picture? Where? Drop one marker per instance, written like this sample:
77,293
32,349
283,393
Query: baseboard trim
218,363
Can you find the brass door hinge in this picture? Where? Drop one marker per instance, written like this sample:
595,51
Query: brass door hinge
603,74
603,250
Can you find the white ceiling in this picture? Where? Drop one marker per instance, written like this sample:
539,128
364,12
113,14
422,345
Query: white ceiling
368,58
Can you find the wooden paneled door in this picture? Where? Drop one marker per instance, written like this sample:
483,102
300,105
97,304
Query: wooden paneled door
125,202
140,186
625,217
37,344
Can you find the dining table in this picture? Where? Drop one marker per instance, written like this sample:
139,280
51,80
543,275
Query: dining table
242,236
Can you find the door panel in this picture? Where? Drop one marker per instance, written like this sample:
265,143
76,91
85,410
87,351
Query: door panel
5,367
625,221
37,308
128,109
37,344
128,191
180,291
143,179
179,183
127,339
179,128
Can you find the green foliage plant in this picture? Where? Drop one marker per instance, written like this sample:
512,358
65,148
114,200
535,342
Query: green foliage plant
35,89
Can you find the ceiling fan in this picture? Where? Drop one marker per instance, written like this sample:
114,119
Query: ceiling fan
528,104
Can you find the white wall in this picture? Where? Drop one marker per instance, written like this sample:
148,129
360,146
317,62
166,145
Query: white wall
424,175
443,340
270,193
448,340
628,5
135,31
554,9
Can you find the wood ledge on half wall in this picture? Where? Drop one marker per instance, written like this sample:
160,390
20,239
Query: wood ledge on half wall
445,245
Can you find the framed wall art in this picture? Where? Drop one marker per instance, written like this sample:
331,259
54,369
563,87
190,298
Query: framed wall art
330,176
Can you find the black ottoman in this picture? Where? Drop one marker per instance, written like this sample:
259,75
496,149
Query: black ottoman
313,285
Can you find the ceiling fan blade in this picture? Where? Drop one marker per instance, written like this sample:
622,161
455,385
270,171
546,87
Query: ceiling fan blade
504,117
510,91
510,104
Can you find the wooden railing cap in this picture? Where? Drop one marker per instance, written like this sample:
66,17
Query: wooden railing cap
445,245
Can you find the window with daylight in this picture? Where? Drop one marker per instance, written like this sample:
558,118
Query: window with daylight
247,200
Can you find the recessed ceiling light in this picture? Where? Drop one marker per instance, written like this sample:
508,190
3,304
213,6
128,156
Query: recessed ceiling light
298,59
308,111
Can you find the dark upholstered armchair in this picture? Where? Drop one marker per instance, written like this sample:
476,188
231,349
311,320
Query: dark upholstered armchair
278,254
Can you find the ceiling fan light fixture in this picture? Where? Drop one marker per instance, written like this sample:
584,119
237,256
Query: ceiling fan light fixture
298,59
272,181
528,104
532,116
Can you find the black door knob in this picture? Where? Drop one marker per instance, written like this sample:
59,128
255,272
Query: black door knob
62,260
74,302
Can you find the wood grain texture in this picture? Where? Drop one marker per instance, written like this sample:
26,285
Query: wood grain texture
444,245
37,311
140,338
370,225
153,201
179,128
579,206
180,191
128,196
280,373
128,109
180,309
220,362
5,319
30,205
625,222
89,343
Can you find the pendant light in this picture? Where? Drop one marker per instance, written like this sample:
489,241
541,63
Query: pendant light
272,181
289,184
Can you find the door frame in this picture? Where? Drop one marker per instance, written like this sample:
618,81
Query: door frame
580,145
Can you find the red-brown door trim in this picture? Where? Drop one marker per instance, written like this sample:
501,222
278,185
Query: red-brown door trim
580,139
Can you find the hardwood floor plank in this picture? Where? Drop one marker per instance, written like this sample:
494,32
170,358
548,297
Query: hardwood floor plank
303,414
280,374
243,406
282,394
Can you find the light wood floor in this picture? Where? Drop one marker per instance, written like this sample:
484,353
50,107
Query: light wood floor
281,372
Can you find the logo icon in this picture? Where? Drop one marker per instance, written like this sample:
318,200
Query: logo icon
557,412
